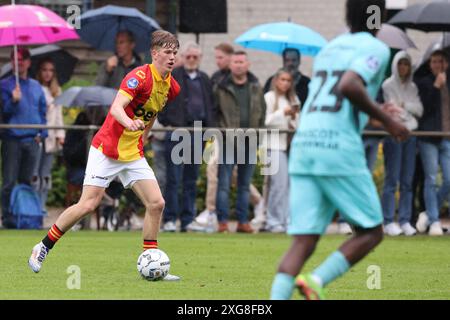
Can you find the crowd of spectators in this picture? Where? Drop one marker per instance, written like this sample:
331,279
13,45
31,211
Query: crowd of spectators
232,97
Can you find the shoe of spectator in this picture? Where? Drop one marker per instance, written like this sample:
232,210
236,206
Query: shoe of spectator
408,229
422,222
259,211
78,226
194,226
257,224
277,229
392,229
202,217
436,229
332,229
244,228
169,226
223,227
211,226
344,228
136,222
259,219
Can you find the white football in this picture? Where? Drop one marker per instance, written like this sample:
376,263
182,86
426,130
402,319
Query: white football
153,264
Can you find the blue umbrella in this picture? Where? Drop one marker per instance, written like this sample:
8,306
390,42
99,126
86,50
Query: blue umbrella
275,37
100,26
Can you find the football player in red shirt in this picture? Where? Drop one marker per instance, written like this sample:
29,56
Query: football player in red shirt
117,148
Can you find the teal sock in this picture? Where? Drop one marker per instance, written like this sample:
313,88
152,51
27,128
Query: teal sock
282,287
333,267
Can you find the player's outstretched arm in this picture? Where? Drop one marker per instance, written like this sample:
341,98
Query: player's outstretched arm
352,87
118,112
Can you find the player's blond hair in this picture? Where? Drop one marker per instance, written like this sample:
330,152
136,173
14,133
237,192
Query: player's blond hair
164,39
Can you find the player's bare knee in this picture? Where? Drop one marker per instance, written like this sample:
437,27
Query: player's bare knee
160,204
156,205
89,205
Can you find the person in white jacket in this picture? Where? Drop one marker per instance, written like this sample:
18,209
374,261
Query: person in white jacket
282,110
399,157
42,178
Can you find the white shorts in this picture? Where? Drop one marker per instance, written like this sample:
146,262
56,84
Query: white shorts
101,170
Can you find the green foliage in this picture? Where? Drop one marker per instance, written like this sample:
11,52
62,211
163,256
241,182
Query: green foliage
57,193
378,171
93,69
77,82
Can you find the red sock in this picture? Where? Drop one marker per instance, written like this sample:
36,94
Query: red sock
150,244
53,235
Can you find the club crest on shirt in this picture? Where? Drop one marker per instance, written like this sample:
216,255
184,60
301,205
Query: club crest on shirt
373,63
132,83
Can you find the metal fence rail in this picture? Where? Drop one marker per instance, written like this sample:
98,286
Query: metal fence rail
367,133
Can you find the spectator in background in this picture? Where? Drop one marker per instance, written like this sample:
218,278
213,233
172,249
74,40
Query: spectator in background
283,106
222,54
124,60
42,178
399,157
291,62
22,104
434,93
194,103
241,104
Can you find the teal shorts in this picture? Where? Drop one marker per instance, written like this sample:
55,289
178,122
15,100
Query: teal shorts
314,201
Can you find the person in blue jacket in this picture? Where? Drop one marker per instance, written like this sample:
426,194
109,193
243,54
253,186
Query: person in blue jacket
23,103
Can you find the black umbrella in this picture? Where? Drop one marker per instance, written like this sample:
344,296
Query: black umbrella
64,62
432,16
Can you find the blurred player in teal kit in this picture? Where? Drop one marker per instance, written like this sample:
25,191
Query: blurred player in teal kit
327,166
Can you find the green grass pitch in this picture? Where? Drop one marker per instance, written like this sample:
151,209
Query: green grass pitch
213,267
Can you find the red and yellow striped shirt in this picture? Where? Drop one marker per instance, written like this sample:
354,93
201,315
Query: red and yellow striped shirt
148,93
